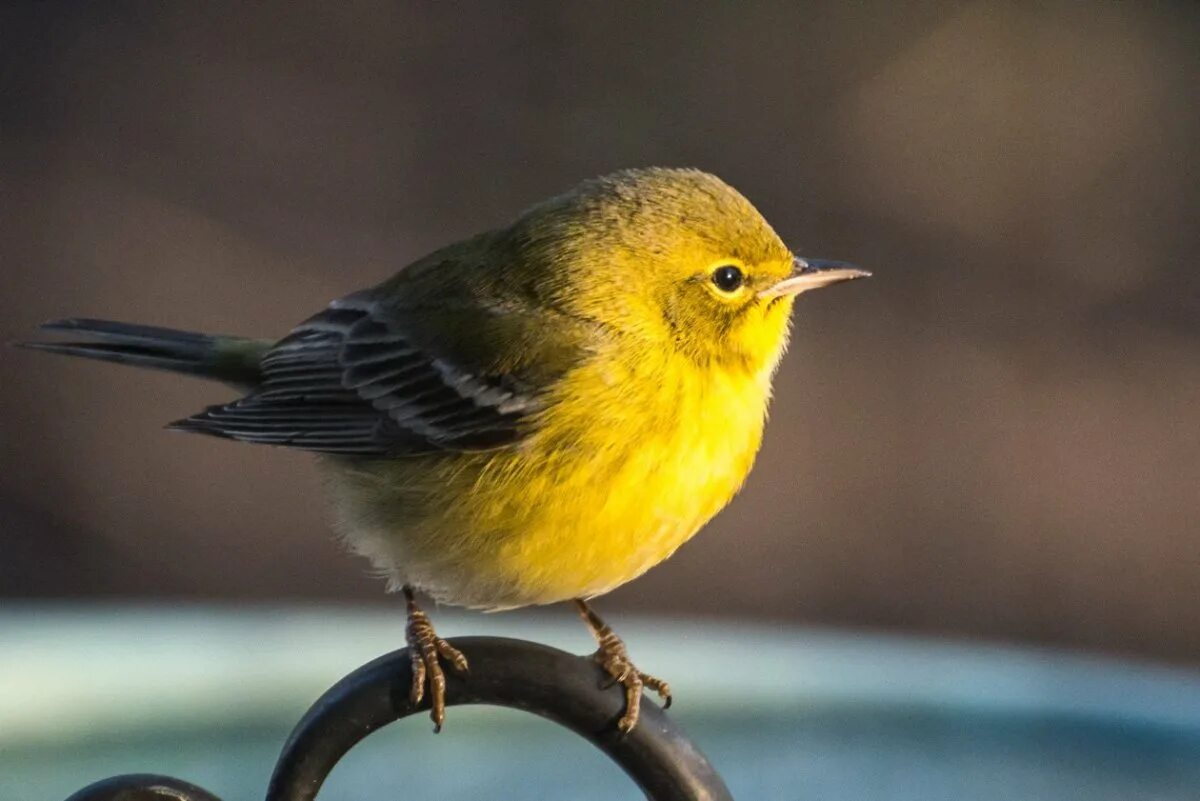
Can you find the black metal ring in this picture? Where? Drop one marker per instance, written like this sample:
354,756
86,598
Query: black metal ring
142,787
556,685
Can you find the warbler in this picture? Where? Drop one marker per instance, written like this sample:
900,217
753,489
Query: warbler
539,413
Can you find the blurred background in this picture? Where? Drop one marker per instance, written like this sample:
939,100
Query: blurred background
998,437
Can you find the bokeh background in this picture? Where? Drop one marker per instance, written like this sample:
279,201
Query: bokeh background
997,437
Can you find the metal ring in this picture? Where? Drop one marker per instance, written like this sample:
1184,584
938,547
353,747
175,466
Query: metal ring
544,681
142,787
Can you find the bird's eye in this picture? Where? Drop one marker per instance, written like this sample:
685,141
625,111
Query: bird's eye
728,278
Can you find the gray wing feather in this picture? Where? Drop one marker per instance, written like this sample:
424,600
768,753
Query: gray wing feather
350,381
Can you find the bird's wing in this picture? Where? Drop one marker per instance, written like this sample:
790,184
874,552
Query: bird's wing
365,377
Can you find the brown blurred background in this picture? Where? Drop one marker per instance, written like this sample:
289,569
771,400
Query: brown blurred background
998,436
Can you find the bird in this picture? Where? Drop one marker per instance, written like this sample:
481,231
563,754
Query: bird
537,414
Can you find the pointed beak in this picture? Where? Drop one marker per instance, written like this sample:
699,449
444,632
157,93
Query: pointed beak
813,274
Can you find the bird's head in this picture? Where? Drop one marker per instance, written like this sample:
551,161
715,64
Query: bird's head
675,256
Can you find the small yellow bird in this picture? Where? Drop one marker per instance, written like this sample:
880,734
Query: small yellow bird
540,413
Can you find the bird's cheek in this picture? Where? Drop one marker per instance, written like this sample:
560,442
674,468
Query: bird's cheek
765,329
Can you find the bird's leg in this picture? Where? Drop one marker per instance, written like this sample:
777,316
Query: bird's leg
426,649
613,657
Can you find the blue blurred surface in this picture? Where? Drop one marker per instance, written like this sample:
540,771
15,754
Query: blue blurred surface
209,695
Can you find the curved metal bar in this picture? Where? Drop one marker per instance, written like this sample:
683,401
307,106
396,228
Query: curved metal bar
562,687
556,685
142,787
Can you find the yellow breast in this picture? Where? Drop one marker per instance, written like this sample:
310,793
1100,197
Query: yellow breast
626,468
610,488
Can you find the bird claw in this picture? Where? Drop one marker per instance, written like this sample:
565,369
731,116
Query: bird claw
427,651
614,659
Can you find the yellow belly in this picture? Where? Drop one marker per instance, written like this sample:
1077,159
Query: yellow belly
597,496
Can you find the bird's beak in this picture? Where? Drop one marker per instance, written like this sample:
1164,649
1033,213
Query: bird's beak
813,274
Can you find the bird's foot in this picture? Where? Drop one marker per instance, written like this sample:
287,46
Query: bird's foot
427,650
616,663
613,657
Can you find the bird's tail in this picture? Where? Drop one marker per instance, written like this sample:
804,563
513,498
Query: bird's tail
233,360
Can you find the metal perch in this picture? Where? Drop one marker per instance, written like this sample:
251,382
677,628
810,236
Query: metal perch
556,685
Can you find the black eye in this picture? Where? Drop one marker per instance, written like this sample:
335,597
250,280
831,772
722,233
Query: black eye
728,278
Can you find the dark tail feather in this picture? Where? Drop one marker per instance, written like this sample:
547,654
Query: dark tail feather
234,360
